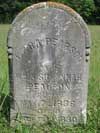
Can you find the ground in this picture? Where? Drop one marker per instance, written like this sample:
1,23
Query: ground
93,108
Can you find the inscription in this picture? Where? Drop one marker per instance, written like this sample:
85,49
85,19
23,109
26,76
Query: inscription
69,77
47,86
73,50
76,78
68,119
31,104
45,118
63,82
42,42
60,102
55,42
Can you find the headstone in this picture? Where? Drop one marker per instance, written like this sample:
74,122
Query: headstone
48,48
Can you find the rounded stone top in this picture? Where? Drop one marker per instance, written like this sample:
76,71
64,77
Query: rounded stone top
78,19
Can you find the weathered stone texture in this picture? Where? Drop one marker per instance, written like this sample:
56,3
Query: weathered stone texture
48,47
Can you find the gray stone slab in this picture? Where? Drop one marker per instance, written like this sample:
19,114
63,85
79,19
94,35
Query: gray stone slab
48,48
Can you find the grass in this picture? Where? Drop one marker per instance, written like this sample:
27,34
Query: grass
93,110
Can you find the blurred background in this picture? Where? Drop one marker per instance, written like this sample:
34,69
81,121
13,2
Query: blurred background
88,9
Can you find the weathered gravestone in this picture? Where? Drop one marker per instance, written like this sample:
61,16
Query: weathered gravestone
48,47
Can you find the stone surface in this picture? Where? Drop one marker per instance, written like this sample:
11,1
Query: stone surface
48,48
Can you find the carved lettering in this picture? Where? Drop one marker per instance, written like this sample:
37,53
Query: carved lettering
54,42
